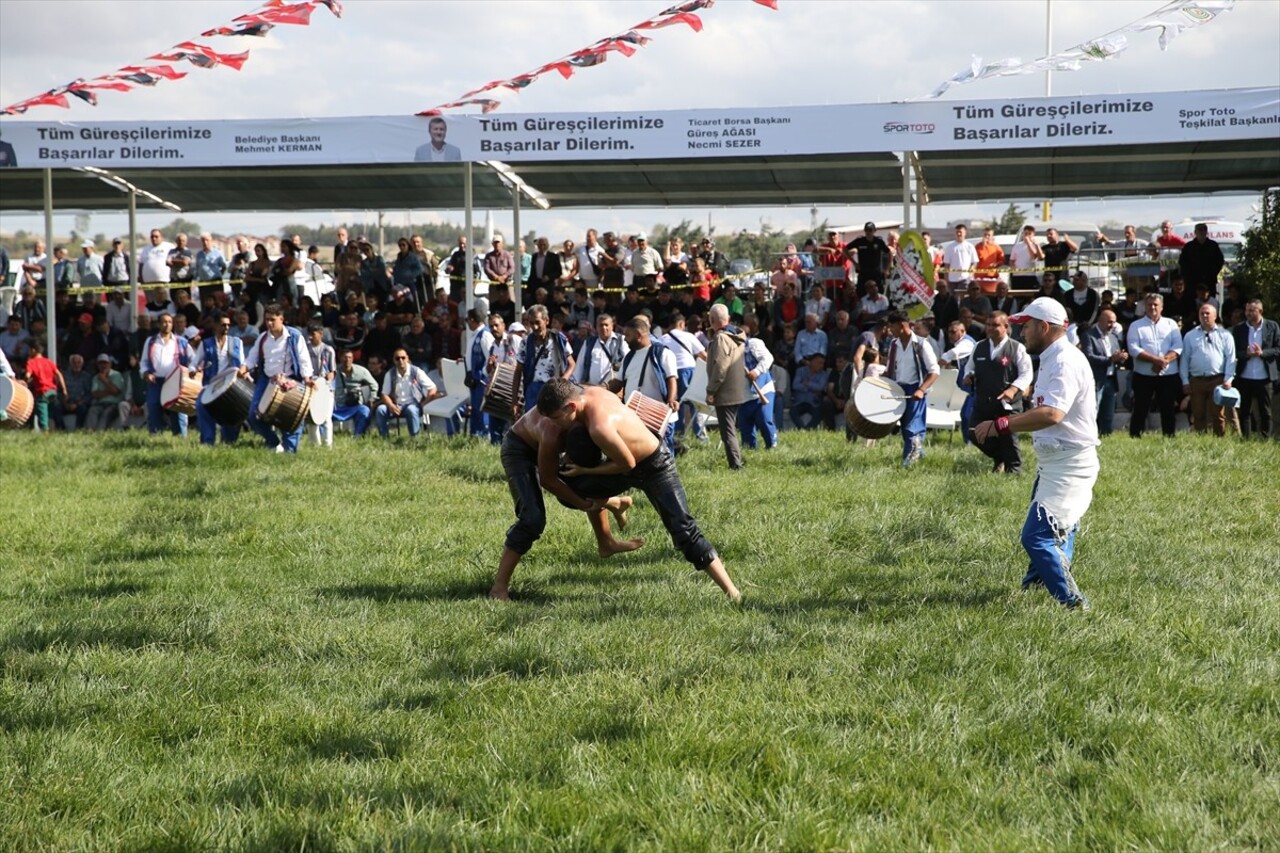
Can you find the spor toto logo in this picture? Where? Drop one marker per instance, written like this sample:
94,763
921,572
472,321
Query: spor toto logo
906,127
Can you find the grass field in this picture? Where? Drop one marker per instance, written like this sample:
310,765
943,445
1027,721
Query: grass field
233,649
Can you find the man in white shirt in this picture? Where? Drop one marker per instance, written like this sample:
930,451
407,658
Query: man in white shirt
913,365
962,344
278,358
960,259
650,368
153,260
589,260
1155,342
646,263
1064,423
405,390
1024,259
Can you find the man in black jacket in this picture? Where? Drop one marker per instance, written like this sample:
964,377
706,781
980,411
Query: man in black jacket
1201,260
1257,351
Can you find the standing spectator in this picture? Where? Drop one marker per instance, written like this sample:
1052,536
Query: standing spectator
1180,305
33,266
1103,346
340,248
757,414
153,260
589,260
1024,259
544,267
676,263
646,263
870,255
283,270
717,263
499,266
1057,253
324,367
1208,362
1201,260
4,267
115,269
280,356
373,271
568,262
650,368
961,260
1155,342
89,266
727,379
990,258
210,266
407,270
456,267
1258,349
180,260
62,268
1131,250
544,355
687,349
482,341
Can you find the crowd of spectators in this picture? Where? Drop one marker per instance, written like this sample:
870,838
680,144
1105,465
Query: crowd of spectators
819,309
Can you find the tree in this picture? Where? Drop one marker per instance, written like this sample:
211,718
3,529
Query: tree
1258,268
1009,222
182,226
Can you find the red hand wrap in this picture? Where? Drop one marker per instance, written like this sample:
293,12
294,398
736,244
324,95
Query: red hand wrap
1002,426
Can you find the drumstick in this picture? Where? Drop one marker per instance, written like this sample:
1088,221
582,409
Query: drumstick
764,400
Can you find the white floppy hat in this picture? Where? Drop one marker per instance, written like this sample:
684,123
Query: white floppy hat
1042,308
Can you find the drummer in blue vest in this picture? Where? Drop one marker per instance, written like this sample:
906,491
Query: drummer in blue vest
545,355
163,353
280,356
218,352
913,365
477,361
650,368
505,349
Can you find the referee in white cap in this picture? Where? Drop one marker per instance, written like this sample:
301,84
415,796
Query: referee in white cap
1065,426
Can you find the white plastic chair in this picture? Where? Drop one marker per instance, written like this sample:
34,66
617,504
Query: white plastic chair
453,374
696,394
946,398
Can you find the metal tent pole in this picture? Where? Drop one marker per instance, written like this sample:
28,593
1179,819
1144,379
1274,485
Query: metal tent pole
518,289
131,261
469,297
51,321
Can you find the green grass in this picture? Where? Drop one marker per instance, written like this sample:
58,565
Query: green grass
233,649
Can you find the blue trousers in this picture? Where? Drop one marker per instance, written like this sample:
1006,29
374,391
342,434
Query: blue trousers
156,414
479,420
359,415
411,413
1050,550
269,435
209,427
806,415
912,424
966,419
754,415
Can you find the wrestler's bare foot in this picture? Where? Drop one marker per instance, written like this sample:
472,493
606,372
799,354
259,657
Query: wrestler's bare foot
500,594
619,506
619,546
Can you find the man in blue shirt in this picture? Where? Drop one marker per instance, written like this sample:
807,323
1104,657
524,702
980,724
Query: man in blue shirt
210,267
1208,361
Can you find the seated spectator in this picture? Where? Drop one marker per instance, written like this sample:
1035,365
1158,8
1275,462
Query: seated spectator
979,305
841,337
405,390
354,390
381,340
79,385
1002,301
13,341
807,391
106,393
839,390
788,309
729,299
418,344
873,306
500,302
972,327
401,310
810,339
818,305
1081,301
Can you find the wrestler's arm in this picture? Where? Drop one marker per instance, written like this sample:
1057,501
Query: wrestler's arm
550,443
1029,421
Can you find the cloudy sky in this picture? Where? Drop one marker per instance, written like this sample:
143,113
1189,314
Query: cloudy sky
391,57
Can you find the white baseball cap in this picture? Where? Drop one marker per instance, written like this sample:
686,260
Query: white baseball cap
1042,308
517,327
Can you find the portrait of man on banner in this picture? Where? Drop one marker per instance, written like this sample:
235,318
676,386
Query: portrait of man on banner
437,150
